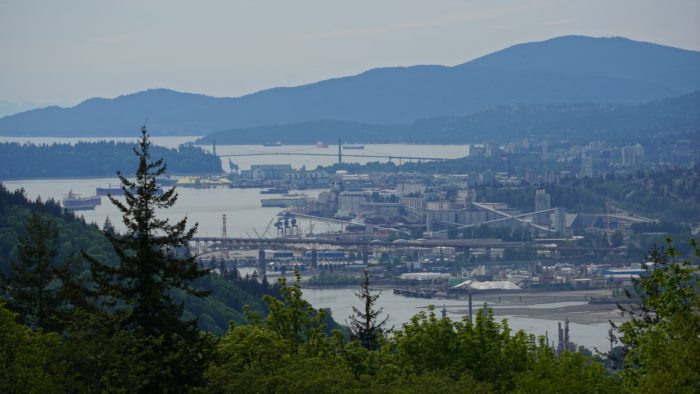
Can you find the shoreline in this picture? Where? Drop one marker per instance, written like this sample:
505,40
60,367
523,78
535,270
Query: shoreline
89,177
550,305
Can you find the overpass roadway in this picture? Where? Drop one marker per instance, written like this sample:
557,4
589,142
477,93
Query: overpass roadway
319,243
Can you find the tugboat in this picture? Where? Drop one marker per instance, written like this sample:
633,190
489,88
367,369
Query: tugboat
73,202
275,190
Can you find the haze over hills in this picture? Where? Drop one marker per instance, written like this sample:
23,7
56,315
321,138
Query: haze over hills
570,69
575,122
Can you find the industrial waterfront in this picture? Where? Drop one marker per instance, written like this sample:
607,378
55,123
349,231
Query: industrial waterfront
536,313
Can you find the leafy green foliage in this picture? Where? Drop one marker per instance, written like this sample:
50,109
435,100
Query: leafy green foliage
568,373
270,352
295,320
662,339
427,355
486,348
29,361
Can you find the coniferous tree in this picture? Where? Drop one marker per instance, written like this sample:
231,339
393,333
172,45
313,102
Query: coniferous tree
139,290
222,270
108,227
235,274
32,285
365,325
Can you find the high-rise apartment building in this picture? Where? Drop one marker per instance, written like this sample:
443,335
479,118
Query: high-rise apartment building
542,202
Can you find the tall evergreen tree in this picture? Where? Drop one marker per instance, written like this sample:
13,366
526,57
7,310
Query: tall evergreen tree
32,284
222,269
365,325
108,227
140,288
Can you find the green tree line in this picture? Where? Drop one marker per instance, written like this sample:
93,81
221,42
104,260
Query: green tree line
92,159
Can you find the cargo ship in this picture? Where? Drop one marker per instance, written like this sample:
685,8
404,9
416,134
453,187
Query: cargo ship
73,202
115,191
320,144
276,143
166,181
353,147
118,191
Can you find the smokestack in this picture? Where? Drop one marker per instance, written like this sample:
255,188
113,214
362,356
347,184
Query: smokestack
560,338
340,152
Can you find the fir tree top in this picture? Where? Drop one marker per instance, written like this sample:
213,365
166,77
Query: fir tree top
153,255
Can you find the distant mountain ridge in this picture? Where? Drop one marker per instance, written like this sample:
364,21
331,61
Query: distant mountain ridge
569,69
580,122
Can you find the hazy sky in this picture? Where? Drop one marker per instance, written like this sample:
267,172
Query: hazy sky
62,52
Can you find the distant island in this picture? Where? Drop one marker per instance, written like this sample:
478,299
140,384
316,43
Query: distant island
581,122
562,70
95,159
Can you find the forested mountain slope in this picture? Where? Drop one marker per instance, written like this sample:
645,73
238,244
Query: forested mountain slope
582,122
570,69
229,295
